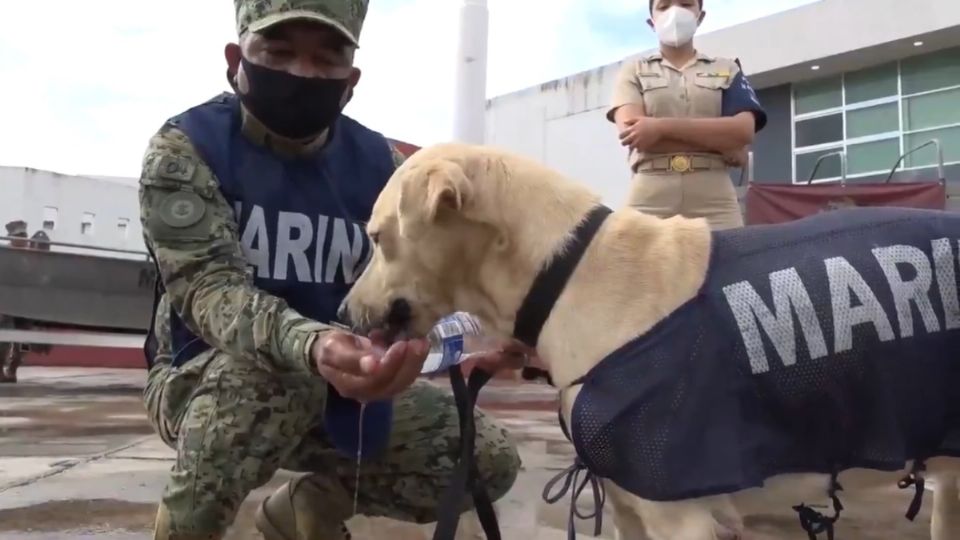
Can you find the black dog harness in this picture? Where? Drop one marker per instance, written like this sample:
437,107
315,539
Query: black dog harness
531,316
813,347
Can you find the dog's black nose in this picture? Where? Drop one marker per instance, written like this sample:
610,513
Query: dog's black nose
399,314
343,314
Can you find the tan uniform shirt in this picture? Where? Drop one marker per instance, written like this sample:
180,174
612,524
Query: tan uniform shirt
667,91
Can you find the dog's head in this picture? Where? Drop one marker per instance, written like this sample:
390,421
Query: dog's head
452,231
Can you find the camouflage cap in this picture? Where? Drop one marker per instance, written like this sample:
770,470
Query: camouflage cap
345,15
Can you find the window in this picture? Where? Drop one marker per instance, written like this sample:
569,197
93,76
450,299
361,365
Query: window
931,72
818,95
820,130
876,114
50,218
829,167
873,121
871,83
86,225
123,226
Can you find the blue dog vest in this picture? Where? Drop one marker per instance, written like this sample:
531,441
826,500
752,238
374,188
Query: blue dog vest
815,346
301,222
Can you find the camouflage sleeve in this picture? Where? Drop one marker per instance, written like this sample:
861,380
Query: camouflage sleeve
190,228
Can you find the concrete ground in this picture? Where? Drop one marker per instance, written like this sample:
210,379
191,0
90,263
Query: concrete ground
79,461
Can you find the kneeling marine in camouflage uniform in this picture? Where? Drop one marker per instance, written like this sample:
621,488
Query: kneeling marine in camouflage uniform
252,206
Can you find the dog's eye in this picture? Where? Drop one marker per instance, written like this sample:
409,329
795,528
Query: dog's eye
375,238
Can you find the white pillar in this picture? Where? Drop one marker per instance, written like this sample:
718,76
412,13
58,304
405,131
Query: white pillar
470,98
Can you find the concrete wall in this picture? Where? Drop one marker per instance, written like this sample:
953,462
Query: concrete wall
24,193
562,124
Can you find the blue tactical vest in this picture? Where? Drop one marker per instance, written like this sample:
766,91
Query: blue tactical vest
817,346
301,222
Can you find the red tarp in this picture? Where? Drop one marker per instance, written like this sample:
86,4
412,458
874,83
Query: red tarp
777,203
405,148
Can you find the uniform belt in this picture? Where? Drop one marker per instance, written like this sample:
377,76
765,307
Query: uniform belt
682,163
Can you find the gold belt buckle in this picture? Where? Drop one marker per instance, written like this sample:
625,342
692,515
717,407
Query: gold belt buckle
680,164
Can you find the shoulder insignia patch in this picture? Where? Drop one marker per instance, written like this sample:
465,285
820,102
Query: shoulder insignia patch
178,168
182,209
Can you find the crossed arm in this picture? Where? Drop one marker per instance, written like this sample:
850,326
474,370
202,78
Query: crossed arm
728,135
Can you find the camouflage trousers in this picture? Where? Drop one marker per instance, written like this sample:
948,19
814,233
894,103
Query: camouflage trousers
11,354
234,423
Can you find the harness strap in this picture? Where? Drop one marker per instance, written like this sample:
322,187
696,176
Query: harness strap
466,478
570,477
543,294
815,523
550,282
915,478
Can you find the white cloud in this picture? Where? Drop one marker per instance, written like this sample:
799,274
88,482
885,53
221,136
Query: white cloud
88,100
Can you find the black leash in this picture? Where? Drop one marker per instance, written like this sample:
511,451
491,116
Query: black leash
466,477
533,313
915,479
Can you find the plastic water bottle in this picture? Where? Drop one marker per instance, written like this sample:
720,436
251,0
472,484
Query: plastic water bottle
449,341
363,429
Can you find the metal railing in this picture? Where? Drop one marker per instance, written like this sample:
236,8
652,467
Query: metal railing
843,166
115,340
941,174
87,247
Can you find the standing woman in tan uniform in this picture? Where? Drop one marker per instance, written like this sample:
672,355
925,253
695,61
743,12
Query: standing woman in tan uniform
685,117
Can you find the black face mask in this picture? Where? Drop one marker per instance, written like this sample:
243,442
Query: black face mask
291,106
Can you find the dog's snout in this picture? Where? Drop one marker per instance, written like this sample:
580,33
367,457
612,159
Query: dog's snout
399,314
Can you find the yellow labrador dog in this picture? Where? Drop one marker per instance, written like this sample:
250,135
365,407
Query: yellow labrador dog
703,375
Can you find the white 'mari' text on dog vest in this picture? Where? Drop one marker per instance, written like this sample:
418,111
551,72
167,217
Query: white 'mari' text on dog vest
280,250
853,304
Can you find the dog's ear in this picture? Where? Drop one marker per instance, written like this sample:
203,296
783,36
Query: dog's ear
440,186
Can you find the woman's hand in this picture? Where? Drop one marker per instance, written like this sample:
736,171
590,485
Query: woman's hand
641,133
736,158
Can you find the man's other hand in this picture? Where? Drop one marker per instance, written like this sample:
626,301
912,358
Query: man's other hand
366,370
511,355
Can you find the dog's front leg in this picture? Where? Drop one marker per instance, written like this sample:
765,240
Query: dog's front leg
626,520
945,521
709,518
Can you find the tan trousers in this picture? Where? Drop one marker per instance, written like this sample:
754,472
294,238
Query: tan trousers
706,194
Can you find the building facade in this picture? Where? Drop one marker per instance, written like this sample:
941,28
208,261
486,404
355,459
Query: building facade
94,211
861,82
101,212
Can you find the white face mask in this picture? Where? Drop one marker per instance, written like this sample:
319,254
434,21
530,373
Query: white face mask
676,26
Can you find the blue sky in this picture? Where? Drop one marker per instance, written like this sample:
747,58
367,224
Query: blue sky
85,88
